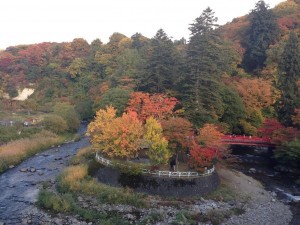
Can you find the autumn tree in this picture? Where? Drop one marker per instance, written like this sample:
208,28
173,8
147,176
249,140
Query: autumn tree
158,152
270,126
255,92
116,137
207,147
179,133
278,133
157,105
201,157
209,136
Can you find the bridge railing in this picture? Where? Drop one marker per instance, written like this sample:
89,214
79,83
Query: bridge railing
159,173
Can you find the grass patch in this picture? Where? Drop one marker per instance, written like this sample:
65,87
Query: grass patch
16,151
84,155
216,217
75,179
152,218
222,193
66,203
8,134
183,218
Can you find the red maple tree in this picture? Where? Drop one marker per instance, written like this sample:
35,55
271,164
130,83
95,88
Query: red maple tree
157,105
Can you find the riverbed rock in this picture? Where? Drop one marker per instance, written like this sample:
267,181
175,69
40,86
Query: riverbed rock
32,169
252,170
24,170
10,167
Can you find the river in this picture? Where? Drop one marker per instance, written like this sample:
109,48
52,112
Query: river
19,190
281,184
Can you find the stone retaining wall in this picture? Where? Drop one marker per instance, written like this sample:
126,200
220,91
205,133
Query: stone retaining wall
178,187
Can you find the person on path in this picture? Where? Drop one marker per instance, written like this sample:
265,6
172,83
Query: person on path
172,164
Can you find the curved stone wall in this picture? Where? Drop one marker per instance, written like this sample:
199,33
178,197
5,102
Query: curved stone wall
158,185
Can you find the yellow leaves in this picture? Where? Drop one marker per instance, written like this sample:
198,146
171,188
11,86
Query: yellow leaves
116,137
158,152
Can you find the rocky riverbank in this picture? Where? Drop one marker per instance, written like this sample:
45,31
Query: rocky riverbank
240,199
263,207
252,206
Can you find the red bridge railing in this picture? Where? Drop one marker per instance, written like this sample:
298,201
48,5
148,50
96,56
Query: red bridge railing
247,140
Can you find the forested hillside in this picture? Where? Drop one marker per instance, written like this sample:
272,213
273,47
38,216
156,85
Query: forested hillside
235,75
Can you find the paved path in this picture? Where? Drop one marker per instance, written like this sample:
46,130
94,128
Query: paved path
19,190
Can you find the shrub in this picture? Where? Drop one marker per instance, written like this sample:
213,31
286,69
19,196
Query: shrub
55,124
129,168
52,201
68,113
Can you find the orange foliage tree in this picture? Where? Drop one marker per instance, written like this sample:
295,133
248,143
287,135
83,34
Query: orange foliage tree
178,131
157,105
209,136
207,147
116,137
255,92
201,157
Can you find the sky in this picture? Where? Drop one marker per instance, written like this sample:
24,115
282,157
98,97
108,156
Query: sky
36,21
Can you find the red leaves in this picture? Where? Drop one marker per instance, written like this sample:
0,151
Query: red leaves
269,126
201,157
157,105
278,134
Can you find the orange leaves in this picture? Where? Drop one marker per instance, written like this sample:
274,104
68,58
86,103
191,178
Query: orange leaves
116,137
255,92
208,147
210,136
177,131
145,105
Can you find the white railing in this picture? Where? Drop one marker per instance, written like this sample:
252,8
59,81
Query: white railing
159,173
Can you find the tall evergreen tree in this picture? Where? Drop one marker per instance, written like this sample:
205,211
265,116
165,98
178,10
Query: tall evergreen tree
162,65
262,32
289,75
208,58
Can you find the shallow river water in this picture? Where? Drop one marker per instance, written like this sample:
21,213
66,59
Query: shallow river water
280,183
19,190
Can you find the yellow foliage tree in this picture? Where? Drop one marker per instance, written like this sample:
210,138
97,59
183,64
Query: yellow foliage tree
116,137
158,146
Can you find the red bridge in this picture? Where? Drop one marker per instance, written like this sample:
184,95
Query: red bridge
247,141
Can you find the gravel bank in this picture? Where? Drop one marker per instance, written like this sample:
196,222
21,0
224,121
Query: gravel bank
262,209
